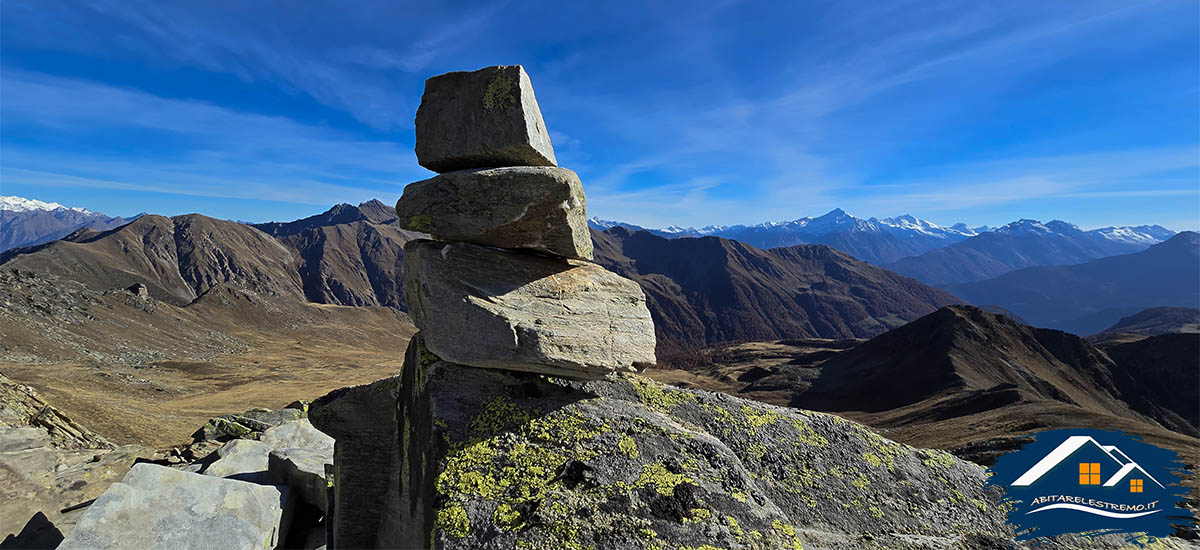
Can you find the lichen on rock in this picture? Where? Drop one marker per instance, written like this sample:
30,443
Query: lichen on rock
519,460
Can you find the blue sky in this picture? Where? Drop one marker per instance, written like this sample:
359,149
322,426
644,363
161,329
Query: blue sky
671,112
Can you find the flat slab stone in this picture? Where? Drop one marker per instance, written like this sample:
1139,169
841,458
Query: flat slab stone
481,119
297,435
535,207
504,309
241,459
155,507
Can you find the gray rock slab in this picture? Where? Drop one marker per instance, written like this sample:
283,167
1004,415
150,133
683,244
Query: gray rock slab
503,309
481,119
155,507
535,207
23,438
304,471
242,459
297,435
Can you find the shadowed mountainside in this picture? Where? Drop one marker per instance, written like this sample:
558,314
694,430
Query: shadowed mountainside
707,290
1153,322
1089,297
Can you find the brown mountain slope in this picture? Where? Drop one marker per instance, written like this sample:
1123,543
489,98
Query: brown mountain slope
968,381
177,258
967,352
349,255
707,290
372,211
356,264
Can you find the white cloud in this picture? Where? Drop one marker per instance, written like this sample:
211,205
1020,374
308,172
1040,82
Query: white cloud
216,152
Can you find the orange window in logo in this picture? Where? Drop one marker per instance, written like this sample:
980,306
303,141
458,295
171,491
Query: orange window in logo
1135,485
1089,473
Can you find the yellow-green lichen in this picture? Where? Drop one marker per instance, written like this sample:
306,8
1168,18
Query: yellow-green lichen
757,419
507,517
937,458
656,475
697,515
453,521
738,496
499,93
807,435
656,396
628,446
421,222
785,529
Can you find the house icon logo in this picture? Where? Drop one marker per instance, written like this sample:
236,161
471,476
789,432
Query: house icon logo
1091,482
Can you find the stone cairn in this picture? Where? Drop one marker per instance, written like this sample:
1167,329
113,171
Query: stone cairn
507,282
504,288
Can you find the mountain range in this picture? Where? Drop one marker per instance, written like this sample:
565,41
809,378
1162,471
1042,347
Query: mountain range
874,240
702,291
1025,243
28,222
930,252
1087,298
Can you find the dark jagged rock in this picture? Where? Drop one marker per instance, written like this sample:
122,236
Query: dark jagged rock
481,119
366,470
535,207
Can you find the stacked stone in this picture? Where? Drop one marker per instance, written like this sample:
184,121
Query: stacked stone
507,280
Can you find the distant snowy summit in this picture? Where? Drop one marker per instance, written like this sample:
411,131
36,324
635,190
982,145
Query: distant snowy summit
884,240
1139,234
836,221
22,204
30,222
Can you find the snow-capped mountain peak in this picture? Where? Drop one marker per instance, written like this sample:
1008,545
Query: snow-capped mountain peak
21,204
1025,227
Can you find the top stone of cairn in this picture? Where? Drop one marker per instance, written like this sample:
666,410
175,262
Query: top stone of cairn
481,119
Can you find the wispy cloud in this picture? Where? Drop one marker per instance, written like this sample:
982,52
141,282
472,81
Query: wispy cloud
262,42
222,153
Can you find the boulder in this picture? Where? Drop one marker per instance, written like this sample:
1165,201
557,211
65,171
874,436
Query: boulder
299,434
481,119
505,309
155,507
304,471
245,425
535,207
366,470
242,459
496,459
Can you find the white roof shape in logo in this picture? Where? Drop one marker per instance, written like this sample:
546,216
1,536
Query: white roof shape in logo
1068,448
